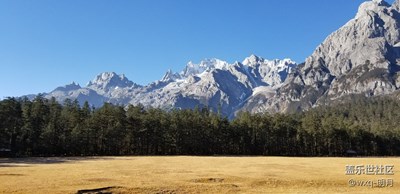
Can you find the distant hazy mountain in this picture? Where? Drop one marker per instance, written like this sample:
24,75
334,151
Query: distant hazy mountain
362,57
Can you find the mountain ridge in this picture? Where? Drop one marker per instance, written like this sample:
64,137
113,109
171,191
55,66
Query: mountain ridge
211,82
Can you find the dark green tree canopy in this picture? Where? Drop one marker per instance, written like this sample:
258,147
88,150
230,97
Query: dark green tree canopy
44,127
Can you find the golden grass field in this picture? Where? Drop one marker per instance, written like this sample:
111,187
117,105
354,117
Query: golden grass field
187,174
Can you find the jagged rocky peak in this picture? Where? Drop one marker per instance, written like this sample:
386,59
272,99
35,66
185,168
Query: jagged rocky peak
213,63
110,79
170,76
253,60
73,85
68,87
367,37
374,6
267,72
204,65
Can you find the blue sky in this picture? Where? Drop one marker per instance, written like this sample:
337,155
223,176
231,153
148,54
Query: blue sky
47,43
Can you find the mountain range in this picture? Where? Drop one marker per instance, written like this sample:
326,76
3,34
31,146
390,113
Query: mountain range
362,57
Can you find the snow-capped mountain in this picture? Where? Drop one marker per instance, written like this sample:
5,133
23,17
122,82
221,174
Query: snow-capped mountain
205,65
108,81
212,82
272,73
362,57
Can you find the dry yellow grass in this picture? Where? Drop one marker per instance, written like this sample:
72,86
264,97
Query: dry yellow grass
185,174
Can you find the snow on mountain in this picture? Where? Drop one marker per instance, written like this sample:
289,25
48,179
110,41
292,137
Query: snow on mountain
170,76
270,72
205,65
107,81
212,82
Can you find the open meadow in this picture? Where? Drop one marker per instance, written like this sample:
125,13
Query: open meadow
187,174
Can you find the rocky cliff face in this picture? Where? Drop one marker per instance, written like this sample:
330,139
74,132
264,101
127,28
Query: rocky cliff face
362,57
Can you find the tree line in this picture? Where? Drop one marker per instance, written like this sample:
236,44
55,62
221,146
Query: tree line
44,127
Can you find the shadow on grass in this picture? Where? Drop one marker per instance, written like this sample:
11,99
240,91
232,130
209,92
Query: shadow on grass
103,190
24,162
